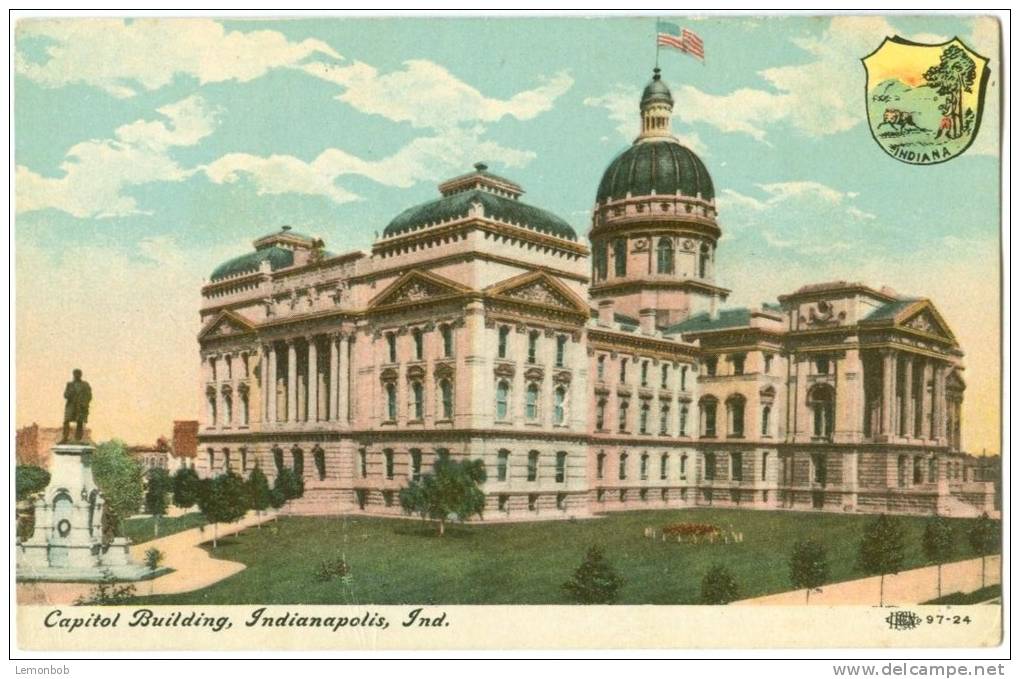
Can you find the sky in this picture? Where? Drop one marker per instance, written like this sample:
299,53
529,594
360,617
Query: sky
149,151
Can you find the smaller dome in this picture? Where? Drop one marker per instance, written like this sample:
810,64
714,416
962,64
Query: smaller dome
656,92
278,258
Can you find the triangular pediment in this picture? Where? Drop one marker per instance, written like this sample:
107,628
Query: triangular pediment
417,286
538,287
924,318
226,324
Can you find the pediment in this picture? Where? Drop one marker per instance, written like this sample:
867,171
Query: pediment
924,318
226,324
417,286
538,287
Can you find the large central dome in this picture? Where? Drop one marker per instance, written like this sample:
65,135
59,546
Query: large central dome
657,163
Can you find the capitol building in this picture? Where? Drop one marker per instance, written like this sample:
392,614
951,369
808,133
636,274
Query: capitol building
588,380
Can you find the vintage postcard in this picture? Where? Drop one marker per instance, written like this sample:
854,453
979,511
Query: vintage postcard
353,333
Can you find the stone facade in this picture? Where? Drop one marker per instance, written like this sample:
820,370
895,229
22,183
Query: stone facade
588,381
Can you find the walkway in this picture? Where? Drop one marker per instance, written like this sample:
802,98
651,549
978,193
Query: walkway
193,566
905,588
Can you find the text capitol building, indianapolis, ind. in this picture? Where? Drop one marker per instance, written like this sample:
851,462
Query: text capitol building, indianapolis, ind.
587,381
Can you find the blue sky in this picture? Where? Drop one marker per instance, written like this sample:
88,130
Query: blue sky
149,151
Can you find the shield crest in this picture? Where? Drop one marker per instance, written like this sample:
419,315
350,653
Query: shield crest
924,102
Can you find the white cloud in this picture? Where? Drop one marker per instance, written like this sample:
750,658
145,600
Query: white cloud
622,104
425,94
123,56
424,159
95,172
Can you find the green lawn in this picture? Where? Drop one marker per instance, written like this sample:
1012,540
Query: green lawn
397,561
976,597
141,529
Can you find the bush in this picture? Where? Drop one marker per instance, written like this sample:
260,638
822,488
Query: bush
106,592
332,568
718,587
595,581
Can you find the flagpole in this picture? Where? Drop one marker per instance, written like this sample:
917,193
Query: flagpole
656,42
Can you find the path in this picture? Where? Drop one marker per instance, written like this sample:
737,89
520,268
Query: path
193,566
909,587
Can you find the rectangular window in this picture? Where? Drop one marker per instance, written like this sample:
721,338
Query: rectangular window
644,373
764,465
533,465
644,467
663,467
623,371
663,419
738,364
822,366
620,256
683,420
391,345
561,350
533,346
419,345
683,466
768,363
447,332
623,466
600,466
600,369
737,466
624,405
363,463
415,465
665,376
600,415
561,467
504,336
502,464
683,378
709,466
389,463
503,499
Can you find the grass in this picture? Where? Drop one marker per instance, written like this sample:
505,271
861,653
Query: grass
397,561
975,597
140,530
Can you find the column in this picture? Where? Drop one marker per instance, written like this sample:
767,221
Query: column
888,390
908,396
217,372
939,403
270,385
926,399
343,381
292,380
313,379
334,392
264,391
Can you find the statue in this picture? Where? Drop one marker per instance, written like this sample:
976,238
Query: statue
78,395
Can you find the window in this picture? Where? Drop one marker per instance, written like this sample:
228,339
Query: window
600,466
447,332
417,400
684,411
665,256
504,337
391,402
933,470
683,378
561,466
710,365
624,406
620,256
362,462
387,496
601,264
683,466
644,373
533,465
446,399
623,466
643,418
503,501
735,413
764,466
918,469
502,400
818,473
278,458
388,456
766,413
708,408
415,464
560,410
738,363
822,366
502,463
531,402
561,350
600,367
663,419
212,460
561,501
623,371
664,382
820,399
768,363
709,466
600,414
644,466
663,467
737,466
298,461
703,261
391,346
442,455
533,346
419,344
532,503
228,409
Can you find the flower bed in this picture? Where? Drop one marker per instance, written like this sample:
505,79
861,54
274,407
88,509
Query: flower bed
694,533
690,529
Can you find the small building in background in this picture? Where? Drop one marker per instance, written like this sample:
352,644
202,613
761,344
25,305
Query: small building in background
184,447
33,444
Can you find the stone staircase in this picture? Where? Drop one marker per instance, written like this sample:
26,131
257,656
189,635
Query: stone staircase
952,506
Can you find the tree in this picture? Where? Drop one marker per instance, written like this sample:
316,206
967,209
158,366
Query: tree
121,483
954,75
451,490
157,487
223,499
809,566
938,544
153,560
289,485
881,550
186,487
718,587
29,481
259,495
595,581
984,540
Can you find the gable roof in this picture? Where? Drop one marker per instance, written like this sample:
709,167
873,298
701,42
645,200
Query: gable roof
538,287
417,285
226,322
727,318
913,315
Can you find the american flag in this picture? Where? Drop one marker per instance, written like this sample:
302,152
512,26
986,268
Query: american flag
671,35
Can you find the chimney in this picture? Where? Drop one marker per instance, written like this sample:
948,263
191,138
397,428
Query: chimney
648,321
606,312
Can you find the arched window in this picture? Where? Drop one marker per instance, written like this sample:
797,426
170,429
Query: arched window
600,466
502,400
417,402
415,464
708,406
703,259
623,466
502,465
210,396
419,344
245,416
665,256
766,413
663,418
531,402
643,417
620,256
298,459
391,402
683,466
735,415
821,400
319,455
560,410
600,414
533,465
561,466
663,466
684,412
278,458
446,399
623,410
644,466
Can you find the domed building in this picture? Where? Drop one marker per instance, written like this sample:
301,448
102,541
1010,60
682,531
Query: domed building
480,327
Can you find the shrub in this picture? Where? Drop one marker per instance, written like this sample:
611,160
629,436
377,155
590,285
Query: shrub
595,581
718,587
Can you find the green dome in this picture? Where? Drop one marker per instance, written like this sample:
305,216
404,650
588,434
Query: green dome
656,92
498,207
277,257
664,167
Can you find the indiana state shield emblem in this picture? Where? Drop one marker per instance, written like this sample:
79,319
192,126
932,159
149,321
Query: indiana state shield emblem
924,102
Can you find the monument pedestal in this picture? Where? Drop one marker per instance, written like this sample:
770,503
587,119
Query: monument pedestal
67,542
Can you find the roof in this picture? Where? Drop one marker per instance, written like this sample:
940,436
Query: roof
277,257
662,166
727,318
890,310
656,91
498,207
